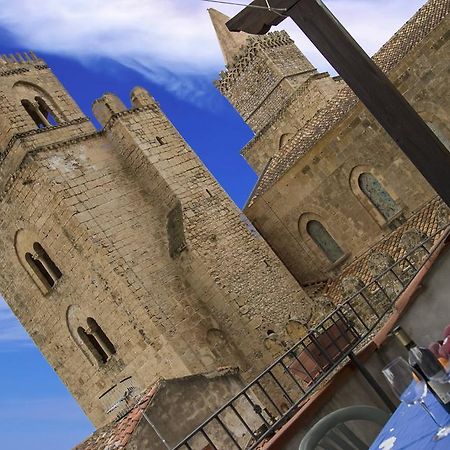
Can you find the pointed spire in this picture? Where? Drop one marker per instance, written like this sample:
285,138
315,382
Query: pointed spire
230,43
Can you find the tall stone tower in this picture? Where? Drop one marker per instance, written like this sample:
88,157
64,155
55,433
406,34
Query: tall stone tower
119,252
272,85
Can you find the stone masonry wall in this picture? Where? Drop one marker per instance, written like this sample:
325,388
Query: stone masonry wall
97,227
320,184
258,83
231,267
147,244
302,105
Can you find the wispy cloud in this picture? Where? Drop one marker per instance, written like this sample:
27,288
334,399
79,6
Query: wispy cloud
12,334
170,41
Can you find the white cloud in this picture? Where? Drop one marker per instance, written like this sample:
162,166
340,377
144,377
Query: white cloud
12,334
170,41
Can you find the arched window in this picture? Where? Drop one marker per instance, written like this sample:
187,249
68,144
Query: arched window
324,241
49,265
89,336
34,113
43,266
92,345
36,261
378,196
99,340
285,138
40,271
46,111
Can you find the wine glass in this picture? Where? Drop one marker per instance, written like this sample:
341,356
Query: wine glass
411,388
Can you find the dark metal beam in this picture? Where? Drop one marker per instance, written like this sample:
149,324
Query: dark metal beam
365,78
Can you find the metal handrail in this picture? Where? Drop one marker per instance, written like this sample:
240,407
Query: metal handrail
312,338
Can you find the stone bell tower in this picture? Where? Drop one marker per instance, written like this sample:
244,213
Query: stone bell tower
119,252
272,85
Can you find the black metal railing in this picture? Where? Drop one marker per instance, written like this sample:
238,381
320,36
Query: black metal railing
271,399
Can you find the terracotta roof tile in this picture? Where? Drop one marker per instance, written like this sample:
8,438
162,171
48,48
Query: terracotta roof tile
116,435
408,37
427,221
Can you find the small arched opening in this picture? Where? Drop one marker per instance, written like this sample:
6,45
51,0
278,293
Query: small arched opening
378,196
34,113
36,261
46,111
101,338
323,239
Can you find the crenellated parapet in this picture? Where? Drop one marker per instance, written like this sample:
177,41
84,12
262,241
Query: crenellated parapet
248,53
263,75
17,63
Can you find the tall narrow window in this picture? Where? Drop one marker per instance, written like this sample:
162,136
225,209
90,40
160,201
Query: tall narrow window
93,345
40,271
324,241
378,196
101,338
36,261
46,111
33,112
50,266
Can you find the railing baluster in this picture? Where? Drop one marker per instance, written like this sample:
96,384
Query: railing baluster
241,419
370,305
358,316
256,409
210,442
285,393
288,371
411,264
228,432
268,397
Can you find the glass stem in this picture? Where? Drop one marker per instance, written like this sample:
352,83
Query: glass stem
425,407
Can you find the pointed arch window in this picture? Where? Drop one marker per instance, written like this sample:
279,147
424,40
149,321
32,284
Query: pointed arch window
323,239
378,196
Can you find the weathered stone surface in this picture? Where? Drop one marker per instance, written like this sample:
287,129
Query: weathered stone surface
316,174
148,269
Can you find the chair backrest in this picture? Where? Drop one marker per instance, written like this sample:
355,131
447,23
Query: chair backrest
331,433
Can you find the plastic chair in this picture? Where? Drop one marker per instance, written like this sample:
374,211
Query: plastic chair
331,433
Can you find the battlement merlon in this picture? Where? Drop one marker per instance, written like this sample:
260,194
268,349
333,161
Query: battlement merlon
18,58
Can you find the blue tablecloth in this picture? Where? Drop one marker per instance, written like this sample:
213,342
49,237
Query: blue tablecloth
413,428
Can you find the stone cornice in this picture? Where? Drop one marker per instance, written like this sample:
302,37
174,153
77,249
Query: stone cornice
18,136
63,143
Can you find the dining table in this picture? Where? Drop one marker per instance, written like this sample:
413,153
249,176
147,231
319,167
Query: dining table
410,427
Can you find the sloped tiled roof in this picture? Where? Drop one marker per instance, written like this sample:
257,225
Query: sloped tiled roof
406,39
427,221
116,435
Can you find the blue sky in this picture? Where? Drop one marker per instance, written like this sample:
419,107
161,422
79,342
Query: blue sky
167,46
